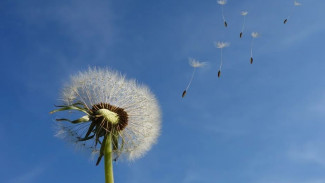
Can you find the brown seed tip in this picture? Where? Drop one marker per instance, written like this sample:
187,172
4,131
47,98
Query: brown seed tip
219,73
226,24
184,93
241,34
251,60
285,21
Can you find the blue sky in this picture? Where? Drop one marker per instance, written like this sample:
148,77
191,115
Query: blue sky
259,123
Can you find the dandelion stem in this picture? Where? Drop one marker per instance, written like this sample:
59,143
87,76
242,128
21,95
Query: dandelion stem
109,178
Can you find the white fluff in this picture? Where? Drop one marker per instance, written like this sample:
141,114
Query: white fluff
222,2
255,34
195,63
106,86
244,13
222,44
297,3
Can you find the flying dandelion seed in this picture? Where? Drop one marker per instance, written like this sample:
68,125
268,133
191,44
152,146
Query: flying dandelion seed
195,64
222,3
221,45
254,35
243,13
295,3
121,118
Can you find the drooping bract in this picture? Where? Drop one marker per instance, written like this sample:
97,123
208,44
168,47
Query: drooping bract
254,35
221,45
195,64
222,3
243,13
295,4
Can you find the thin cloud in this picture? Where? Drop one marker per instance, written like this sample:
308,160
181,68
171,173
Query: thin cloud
286,180
85,24
308,153
302,35
29,176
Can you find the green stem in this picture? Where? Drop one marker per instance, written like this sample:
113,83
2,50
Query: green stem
109,178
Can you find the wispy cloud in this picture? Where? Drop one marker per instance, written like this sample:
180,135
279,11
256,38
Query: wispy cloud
318,105
86,21
197,174
85,25
29,176
225,131
286,180
308,153
303,34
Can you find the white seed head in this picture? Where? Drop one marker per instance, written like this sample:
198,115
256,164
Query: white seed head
244,13
195,63
222,44
255,34
297,3
222,2
106,86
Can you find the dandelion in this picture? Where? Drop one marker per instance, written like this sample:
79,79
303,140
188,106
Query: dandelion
295,3
243,13
254,35
221,45
195,64
120,118
222,3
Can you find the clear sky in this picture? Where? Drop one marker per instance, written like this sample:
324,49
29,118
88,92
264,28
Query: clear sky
259,123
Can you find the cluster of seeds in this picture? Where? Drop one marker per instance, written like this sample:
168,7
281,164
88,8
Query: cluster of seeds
221,45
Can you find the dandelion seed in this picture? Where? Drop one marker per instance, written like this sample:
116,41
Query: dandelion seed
222,3
221,45
243,13
195,64
121,118
254,35
295,3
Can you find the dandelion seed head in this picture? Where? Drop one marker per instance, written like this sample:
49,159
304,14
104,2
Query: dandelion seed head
255,34
222,2
222,44
296,3
195,63
105,88
244,13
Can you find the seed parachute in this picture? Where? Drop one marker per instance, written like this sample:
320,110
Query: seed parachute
221,45
195,64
